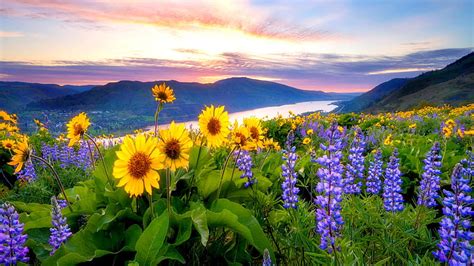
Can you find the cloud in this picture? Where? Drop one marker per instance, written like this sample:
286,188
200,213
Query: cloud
328,72
10,34
185,15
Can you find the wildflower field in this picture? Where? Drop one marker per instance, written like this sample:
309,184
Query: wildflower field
318,189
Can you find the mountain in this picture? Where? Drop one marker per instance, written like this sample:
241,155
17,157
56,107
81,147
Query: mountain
14,96
236,94
452,85
369,98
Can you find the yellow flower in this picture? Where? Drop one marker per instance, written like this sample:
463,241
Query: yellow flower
214,125
306,141
7,117
174,145
240,137
412,126
460,133
341,129
77,127
309,131
388,140
271,144
447,132
256,132
136,164
8,144
469,132
21,152
450,123
163,93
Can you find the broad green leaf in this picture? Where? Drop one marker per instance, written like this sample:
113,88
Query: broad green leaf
199,217
151,240
171,253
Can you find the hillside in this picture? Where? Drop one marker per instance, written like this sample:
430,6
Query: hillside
453,85
14,96
236,94
366,100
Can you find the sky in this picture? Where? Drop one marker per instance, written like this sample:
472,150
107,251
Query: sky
338,46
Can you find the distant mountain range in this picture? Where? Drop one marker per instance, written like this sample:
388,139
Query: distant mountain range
14,96
453,85
130,105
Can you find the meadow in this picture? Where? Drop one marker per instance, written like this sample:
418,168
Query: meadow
318,189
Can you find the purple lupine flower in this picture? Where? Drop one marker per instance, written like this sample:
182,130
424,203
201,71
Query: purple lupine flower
392,197
65,155
27,174
355,167
455,236
374,183
60,231
267,260
290,191
328,213
244,164
429,185
12,239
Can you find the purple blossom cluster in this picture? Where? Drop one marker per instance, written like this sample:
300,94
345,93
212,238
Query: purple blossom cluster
28,173
12,239
60,231
374,179
267,260
290,191
355,168
328,213
429,185
392,197
244,164
454,247
68,156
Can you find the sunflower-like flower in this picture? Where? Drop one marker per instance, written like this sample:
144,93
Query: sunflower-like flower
214,125
388,140
8,144
163,93
306,141
240,137
271,144
138,160
256,132
174,145
21,155
77,127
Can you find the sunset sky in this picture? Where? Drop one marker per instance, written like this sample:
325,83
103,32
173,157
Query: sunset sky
319,45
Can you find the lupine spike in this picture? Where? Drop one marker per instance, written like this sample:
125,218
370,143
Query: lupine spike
454,247
60,231
12,239
28,174
392,197
328,213
374,183
429,185
290,191
355,168
244,164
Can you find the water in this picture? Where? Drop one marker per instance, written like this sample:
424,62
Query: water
271,112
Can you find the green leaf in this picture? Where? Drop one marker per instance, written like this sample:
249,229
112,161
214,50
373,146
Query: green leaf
151,240
232,215
199,217
171,254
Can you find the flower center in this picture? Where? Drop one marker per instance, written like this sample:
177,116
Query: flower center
242,139
162,96
254,132
139,165
78,130
173,149
214,126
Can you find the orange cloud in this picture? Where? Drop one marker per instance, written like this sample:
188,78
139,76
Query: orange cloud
187,15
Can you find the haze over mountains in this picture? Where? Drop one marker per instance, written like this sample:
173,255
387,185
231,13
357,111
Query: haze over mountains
453,85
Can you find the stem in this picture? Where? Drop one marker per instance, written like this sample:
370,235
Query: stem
235,165
150,199
197,163
56,176
101,158
223,171
168,193
157,114
264,159
6,179
91,154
